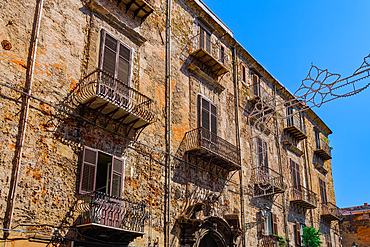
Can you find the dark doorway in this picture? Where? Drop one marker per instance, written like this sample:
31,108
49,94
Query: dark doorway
208,241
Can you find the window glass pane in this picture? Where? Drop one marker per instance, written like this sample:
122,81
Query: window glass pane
268,224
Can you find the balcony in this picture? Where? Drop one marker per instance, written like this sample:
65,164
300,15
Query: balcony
141,8
269,241
267,181
111,219
106,95
260,94
322,150
330,212
212,148
203,63
295,128
303,197
292,144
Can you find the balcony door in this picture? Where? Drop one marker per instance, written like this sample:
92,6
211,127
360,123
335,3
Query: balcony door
207,122
255,84
296,180
290,120
115,62
102,175
262,161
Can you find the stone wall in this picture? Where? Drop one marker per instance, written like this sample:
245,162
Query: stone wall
58,127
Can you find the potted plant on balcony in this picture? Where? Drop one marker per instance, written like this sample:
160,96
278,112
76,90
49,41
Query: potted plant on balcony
311,237
281,239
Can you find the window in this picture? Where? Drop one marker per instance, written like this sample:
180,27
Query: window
207,115
98,173
204,39
324,199
115,58
262,154
298,231
328,240
268,225
222,54
296,178
317,139
255,84
289,112
244,73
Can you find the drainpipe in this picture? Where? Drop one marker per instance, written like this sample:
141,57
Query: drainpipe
169,124
281,171
238,145
23,120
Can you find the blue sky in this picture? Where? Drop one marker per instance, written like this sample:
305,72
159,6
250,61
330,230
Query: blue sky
286,37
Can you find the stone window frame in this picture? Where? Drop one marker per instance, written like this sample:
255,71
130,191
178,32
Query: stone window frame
103,35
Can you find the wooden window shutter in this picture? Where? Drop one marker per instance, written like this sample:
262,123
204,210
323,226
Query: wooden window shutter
294,178
207,115
261,224
274,224
255,84
117,176
201,37
115,58
295,174
88,170
317,139
323,191
213,119
222,53
243,73
124,61
298,175
265,155
259,152
297,233
108,59
208,42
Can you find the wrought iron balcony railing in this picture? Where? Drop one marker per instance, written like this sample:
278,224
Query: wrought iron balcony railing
207,61
269,241
292,144
330,212
108,95
268,181
295,127
105,210
323,150
260,93
303,197
207,145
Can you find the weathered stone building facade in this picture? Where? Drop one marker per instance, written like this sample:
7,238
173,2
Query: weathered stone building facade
107,88
355,226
